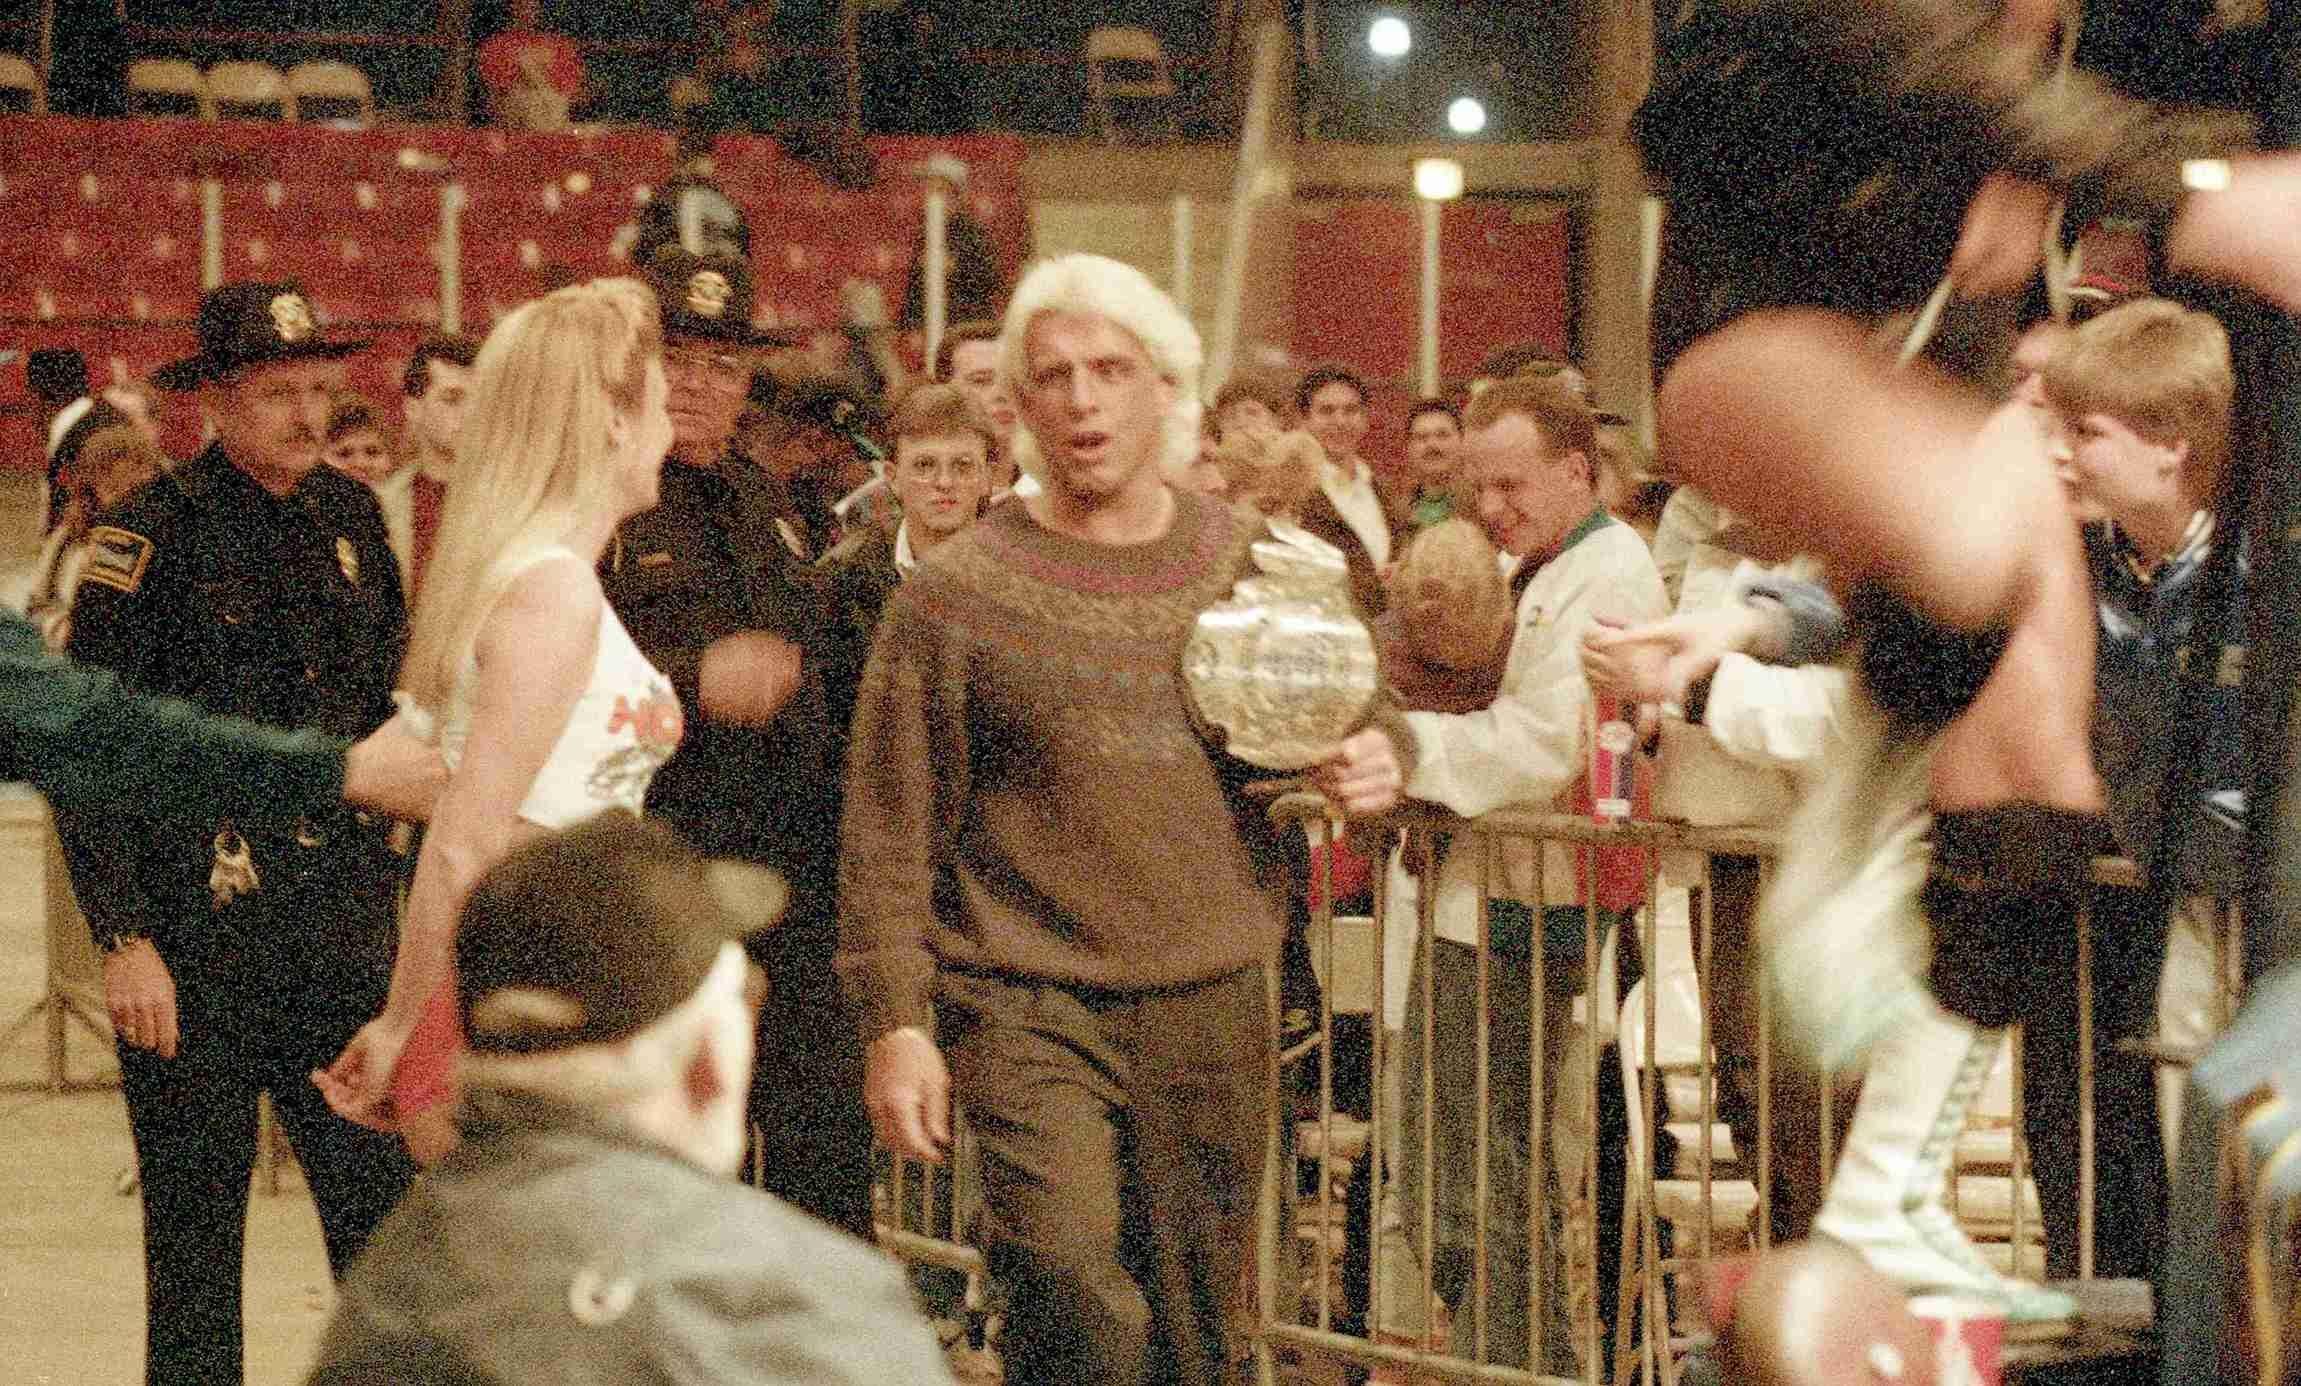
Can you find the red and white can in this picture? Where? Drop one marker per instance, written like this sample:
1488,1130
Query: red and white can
1968,1336
1613,760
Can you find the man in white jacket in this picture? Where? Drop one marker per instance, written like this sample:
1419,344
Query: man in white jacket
1528,452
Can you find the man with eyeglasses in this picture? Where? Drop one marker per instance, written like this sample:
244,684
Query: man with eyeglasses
941,476
716,601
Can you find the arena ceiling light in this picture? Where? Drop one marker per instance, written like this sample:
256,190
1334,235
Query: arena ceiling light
1389,37
1437,180
1467,116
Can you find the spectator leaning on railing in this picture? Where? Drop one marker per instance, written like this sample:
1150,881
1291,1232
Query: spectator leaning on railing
1529,475
2141,399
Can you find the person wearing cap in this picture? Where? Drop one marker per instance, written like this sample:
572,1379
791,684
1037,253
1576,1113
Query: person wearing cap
821,466
1057,894
734,618
691,211
586,1229
256,581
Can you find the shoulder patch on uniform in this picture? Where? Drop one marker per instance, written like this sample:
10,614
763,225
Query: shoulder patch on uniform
117,558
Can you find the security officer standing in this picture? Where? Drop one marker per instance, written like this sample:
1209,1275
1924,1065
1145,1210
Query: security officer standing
716,599
251,580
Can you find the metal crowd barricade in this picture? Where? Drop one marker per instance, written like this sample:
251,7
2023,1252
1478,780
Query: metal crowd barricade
1646,1341
72,975
1641,1337
928,1215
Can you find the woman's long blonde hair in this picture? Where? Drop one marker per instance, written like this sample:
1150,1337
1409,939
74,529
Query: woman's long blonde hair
536,458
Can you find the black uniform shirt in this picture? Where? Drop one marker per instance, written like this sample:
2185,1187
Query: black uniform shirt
859,576
285,609
705,563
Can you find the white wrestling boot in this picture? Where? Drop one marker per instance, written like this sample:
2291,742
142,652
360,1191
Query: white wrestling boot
1885,1200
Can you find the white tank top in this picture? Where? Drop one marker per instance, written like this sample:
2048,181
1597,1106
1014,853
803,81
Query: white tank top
626,724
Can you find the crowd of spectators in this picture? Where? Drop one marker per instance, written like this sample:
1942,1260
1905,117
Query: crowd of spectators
884,648
1484,504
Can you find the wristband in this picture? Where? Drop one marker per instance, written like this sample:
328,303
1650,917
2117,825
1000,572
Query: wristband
1697,699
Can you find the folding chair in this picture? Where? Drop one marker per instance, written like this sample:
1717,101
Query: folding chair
330,91
169,87
1125,63
244,91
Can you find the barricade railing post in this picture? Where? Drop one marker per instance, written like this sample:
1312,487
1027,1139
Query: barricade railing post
1378,1114
1763,1158
1482,1192
2086,1153
1592,1329
1709,1066
1540,1154
1426,911
1323,918
1269,1213
1657,1301
2018,1150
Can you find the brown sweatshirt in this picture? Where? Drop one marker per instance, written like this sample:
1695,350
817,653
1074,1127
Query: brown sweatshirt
1027,794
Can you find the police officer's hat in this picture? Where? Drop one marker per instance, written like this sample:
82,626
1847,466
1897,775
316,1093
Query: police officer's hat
707,297
252,325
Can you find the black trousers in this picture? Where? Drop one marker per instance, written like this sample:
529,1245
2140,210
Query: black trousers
2130,1178
807,1084
1122,1144
2003,896
254,1017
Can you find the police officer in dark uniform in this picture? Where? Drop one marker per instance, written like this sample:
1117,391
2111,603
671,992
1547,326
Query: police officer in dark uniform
714,596
251,580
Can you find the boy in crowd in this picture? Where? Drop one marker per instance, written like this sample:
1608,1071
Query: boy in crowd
2141,399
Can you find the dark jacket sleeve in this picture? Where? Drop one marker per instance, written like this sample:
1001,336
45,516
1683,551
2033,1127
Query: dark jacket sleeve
91,745
1817,627
126,626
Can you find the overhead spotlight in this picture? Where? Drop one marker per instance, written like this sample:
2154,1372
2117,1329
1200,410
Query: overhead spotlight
1389,37
1437,180
1467,116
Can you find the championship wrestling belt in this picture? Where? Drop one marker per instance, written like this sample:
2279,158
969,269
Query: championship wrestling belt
1283,669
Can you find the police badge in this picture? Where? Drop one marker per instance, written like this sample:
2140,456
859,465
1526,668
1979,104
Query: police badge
708,292
293,317
1283,669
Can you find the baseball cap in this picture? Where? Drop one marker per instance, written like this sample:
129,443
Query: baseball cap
590,935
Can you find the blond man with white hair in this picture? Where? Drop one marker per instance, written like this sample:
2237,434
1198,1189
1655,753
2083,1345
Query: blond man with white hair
1051,876
588,1229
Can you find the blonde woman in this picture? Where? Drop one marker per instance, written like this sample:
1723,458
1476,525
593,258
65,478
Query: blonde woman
547,713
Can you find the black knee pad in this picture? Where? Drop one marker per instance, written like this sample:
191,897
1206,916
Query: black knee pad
2002,898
